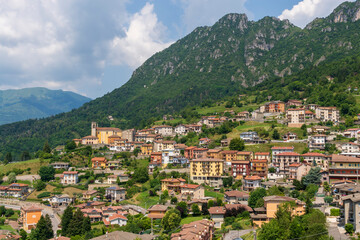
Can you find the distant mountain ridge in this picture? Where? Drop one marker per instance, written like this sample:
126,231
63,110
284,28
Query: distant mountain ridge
208,64
22,104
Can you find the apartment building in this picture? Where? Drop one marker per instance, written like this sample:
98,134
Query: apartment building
344,168
317,159
298,170
277,150
207,170
244,156
295,117
240,169
259,168
350,147
262,155
250,183
214,153
164,130
327,114
69,177
351,210
317,142
282,161
201,229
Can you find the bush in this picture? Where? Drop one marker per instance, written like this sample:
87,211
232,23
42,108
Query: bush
44,194
334,212
328,199
9,212
349,228
2,221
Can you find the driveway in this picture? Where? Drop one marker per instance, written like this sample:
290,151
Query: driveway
231,235
338,233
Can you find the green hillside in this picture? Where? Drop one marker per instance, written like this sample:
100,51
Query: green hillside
231,57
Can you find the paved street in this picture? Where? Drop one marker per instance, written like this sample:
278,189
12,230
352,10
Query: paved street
337,232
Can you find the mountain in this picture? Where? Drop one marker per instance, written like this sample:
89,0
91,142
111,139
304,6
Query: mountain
27,103
210,63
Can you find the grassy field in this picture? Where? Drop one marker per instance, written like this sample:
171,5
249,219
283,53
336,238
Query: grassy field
298,147
143,200
190,219
213,194
7,227
69,190
221,108
33,164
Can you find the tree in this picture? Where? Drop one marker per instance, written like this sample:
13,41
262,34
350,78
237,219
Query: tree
182,208
276,134
313,177
70,145
23,234
349,228
141,175
255,196
136,151
9,212
326,187
195,210
204,209
46,148
76,223
86,225
237,144
2,210
25,155
43,230
65,220
47,173
171,220
8,158
12,177
227,182
39,185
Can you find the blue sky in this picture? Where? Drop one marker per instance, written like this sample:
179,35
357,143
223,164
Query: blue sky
92,46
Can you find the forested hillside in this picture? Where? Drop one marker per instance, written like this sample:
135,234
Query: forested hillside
211,63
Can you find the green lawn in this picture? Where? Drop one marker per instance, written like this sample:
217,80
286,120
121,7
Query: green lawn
190,219
213,194
144,200
7,227
298,147
221,108
34,164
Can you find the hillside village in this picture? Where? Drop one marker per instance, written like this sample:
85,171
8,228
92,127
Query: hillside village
228,171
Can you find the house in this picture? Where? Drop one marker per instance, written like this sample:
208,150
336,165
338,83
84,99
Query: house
60,165
21,188
167,157
312,106
172,184
259,168
189,152
112,165
242,115
350,147
180,130
164,130
240,169
201,229
295,117
351,210
352,133
229,155
29,216
250,183
60,200
146,149
244,156
155,161
200,152
344,168
271,205
309,114
282,161
235,196
249,136
90,194
90,140
328,114
116,194
262,155
129,135
317,142
277,150
192,191
193,128
204,141
316,159
157,211
116,219
112,139
225,142
214,153
273,107
207,170
320,129
217,215
99,162
94,214
69,177
289,136
298,170
292,102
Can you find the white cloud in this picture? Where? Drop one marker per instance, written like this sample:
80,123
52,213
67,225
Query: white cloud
142,39
307,10
65,43
207,12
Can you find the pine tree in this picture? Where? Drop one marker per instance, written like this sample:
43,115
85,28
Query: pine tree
75,227
42,231
46,147
65,220
86,225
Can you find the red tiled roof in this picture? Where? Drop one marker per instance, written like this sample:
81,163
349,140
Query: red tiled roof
216,210
262,153
289,154
313,154
117,216
282,148
236,193
192,186
255,177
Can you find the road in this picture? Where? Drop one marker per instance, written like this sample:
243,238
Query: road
24,177
55,220
231,235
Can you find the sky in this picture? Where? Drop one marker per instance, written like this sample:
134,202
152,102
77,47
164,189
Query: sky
92,47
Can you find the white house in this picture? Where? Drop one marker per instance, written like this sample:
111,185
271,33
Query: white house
117,219
115,193
180,129
317,141
251,183
164,130
350,147
60,200
69,177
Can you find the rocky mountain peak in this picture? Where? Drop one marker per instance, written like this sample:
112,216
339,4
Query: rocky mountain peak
346,12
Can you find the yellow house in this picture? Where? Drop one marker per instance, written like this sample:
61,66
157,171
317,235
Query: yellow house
271,205
99,162
172,183
207,170
229,155
29,216
244,156
146,149
214,153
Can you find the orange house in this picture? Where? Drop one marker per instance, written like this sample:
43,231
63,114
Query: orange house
99,162
146,149
29,216
214,153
